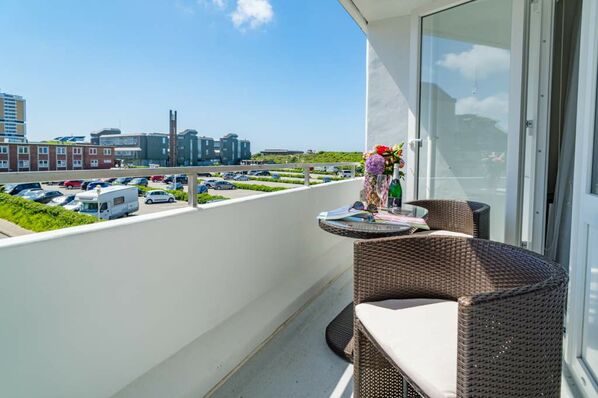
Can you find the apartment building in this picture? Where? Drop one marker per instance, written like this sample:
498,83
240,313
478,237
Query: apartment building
12,118
233,150
187,148
207,150
49,157
138,149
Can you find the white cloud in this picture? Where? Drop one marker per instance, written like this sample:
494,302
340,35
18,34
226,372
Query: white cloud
494,107
477,63
220,4
252,14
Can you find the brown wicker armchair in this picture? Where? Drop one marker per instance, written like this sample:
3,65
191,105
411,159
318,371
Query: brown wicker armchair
471,218
491,324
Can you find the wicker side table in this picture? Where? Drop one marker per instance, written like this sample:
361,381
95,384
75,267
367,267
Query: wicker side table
339,332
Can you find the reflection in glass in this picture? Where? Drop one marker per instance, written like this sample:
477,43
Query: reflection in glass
464,105
595,155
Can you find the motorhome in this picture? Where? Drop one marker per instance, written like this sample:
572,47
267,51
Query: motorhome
113,202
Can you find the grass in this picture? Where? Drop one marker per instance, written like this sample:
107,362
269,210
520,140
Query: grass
319,157
300,175
38,217
284,180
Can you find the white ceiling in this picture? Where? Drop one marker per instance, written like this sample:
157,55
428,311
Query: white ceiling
373,10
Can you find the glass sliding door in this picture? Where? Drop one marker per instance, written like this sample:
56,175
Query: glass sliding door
466,74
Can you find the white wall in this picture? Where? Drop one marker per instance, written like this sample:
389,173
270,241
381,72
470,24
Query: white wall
86,311
388,81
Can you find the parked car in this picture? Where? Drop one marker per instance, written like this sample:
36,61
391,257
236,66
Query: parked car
45,196
122,180
202,188
261,173
113,202
275,176
156,178
175,186
182,178
139,181
86,183
228,176
326,179
95,184
27,192
204,174
73,205
224,185
61,200
344,173
13,189
109,180
241,177
70,184
210,183
158,196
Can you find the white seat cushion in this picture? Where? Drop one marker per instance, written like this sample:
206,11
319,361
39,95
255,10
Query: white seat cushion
441,232
420,336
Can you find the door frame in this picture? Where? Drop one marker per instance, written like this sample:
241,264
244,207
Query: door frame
517,110
585,204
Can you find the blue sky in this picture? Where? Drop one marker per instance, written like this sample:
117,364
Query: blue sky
283,74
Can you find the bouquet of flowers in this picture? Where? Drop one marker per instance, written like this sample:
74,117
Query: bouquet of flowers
379,167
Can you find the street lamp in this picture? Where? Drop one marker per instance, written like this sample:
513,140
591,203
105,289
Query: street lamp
98,190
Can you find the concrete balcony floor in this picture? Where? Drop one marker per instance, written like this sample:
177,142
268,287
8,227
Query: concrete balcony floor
296,362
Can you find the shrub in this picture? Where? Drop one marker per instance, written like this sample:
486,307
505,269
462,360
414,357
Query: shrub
38,217
202,198
257,187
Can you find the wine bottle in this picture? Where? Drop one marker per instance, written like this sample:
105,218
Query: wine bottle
395,192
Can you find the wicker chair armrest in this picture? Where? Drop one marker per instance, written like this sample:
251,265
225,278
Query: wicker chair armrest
471,218
498,333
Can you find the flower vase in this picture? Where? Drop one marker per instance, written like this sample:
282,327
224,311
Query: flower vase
376,189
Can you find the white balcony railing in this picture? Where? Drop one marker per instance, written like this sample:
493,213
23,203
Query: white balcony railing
165,304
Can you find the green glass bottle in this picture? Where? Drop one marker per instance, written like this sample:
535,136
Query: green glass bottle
395,192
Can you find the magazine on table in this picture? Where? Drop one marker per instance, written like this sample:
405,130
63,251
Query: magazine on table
382,217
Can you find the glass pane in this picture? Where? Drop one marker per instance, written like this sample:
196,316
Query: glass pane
464,105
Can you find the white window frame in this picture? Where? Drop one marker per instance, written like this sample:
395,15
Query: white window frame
61,163
77,150
21,164
61,150
93,151
77,163
94,163
107,151
107,161
43,150
3,149
40,166
3,164
23,150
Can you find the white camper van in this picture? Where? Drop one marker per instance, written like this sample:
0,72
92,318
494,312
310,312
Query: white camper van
114,202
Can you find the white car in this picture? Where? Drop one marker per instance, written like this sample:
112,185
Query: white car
158,196
75,205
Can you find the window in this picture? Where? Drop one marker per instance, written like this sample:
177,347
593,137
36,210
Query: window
163,151
61,163
77,163
23,164
61,150
94,163
107,161
3,149
77,151
42,150
119,201
23,150
3,164
93,151
107,151
42,164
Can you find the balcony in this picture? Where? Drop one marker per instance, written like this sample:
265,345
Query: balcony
226,299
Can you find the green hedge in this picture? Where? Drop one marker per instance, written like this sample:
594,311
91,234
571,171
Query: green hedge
318,177
38,217
257,187
284,180
202,198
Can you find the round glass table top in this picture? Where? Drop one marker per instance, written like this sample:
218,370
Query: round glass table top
369,230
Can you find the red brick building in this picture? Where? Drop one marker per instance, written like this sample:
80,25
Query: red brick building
51,156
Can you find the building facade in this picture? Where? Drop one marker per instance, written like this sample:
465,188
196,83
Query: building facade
12,118
50,157
233,150
207,150
187,148
140,149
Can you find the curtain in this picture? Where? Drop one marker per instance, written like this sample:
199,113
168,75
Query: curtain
558,234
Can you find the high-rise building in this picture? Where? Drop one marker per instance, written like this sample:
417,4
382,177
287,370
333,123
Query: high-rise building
12,118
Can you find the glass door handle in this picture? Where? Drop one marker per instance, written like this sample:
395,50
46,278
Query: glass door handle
415,142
